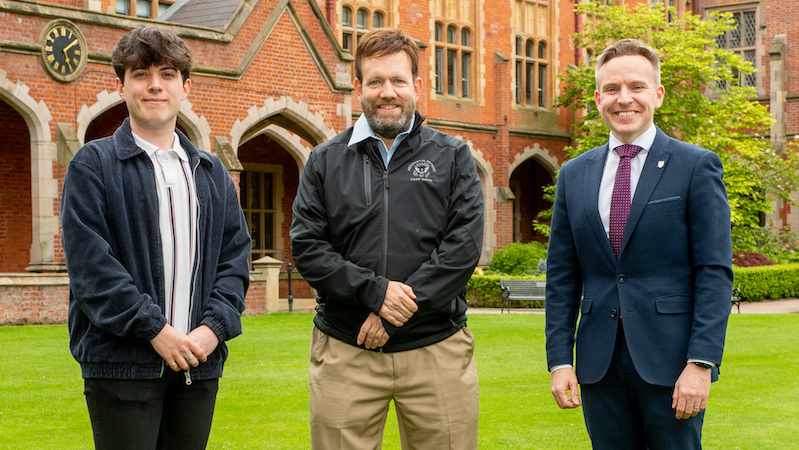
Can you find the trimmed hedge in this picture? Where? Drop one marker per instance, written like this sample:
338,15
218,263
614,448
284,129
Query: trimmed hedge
518,259
755,283
767,282
484,291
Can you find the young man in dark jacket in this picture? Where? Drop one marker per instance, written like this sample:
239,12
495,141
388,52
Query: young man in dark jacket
157,251
388,227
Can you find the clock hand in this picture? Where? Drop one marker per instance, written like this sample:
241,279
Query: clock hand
69,46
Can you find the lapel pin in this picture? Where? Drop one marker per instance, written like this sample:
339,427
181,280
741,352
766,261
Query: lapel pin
661,163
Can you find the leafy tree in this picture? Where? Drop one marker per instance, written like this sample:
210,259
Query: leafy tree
726,121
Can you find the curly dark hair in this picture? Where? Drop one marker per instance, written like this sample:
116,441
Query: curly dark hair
147,46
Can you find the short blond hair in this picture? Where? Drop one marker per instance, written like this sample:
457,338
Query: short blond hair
629,47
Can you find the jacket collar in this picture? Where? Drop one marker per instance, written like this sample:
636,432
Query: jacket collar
656,161
126,148
362,131
653,169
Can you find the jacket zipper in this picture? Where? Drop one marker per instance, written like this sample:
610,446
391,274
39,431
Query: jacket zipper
197,243
367,179
385,222
159,243
187,374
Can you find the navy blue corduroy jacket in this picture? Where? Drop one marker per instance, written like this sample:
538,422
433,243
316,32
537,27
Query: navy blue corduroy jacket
109,215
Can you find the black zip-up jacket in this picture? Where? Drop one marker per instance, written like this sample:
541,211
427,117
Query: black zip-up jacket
358,225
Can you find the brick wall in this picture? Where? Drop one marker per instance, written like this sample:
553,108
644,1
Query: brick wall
33,299
44,299
15,192
495,128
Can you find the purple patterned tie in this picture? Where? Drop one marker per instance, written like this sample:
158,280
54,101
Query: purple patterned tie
620,201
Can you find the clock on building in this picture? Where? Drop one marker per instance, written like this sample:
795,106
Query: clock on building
64,51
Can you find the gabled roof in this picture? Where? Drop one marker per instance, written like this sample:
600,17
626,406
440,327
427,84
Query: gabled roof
203,13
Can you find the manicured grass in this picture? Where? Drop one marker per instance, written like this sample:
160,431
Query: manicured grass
263,399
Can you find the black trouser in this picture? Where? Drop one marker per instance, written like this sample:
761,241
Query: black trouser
151,414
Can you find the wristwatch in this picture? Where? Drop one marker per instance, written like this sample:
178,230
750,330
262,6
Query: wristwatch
703,365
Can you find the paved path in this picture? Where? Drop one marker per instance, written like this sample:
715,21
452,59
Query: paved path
783,306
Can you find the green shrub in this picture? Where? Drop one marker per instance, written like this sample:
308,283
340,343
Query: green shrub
484,292
518,258
779,245
767,282
755,284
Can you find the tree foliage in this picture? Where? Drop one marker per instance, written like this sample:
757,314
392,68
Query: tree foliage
726,121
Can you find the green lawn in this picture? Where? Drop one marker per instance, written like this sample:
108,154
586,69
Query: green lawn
263,396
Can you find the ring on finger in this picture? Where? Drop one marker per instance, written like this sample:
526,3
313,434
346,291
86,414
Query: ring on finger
189,358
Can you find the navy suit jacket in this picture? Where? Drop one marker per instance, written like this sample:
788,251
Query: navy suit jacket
672,282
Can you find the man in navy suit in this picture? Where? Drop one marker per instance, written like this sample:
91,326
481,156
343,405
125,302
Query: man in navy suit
654,308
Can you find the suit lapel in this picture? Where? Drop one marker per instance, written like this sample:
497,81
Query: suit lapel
656,162
593,175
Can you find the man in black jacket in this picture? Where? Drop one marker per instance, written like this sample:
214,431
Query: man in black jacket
388,227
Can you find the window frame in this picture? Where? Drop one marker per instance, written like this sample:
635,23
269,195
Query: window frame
454,62
678,5
133,8
351,33
276,172
746,52
534,28
529,68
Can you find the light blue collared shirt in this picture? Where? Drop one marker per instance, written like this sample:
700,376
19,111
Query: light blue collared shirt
362,131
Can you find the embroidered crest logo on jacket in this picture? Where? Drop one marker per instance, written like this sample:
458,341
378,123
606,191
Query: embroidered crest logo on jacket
422,170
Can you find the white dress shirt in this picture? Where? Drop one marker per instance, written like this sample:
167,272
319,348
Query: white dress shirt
612,164
177,220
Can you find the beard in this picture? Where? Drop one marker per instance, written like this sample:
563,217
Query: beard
389,127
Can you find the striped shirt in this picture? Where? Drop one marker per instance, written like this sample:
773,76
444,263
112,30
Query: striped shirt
177,220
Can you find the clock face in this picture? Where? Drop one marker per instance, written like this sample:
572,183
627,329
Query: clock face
63,51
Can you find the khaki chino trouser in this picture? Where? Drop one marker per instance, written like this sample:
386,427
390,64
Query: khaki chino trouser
434,389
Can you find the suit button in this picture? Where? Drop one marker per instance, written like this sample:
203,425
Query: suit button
613,314
621,278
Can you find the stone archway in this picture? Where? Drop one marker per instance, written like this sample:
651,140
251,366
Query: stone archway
486,173
541,155
288,114
273,144
530,171
291,142
196,127
44,182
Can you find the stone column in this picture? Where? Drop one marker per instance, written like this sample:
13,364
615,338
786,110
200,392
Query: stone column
270,269
777,95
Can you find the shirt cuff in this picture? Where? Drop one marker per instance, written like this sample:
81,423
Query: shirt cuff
694,360
560,366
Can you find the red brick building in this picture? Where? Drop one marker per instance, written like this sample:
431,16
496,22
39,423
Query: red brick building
274,79
767,35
